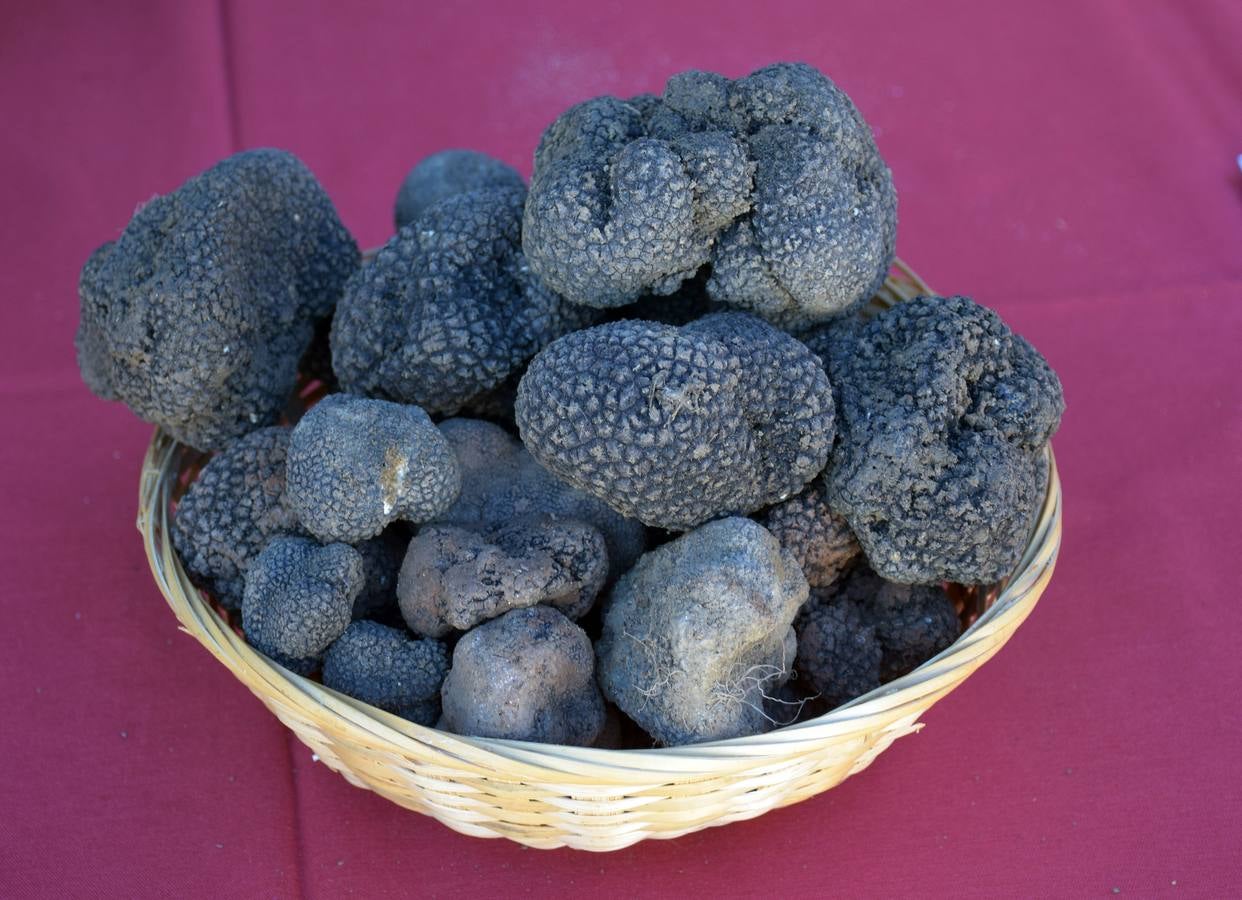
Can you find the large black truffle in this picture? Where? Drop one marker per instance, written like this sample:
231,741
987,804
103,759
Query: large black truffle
382,666
774,179
447,174
838,651
678,426
448,308
237,503
943,417
197,315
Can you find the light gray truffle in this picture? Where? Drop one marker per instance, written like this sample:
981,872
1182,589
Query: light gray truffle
453,578
527,676
356,465
502,484
698,633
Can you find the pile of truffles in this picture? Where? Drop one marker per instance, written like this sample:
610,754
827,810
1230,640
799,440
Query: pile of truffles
612,459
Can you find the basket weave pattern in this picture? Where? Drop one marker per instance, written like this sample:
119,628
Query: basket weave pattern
551,796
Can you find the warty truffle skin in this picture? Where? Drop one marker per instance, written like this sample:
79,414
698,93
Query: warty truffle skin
448,308
838,651
698,634
453,578
382,666
528,676
355,465
819,538
912,624
940,466
300,595
447,174
237,503
677,426
774,179
197,315
501,485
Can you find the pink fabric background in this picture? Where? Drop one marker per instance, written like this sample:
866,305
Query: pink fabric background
1069,163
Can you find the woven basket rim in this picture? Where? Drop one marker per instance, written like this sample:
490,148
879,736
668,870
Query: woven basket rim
883,708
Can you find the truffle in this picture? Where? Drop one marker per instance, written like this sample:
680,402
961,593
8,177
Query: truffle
448,308
237,503
501,485
453,578
943,416
447,174
838,652
912,624
527,675
381,563
356,465
382,666
197,315
820,539
698,634
299,596
675,426
773,179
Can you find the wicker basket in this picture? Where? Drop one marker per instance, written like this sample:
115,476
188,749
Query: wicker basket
551,796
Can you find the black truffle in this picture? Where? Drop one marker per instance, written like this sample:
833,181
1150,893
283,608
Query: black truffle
678,426
382,666
299,596
356,465
527,676
197,315
448,308
447,174
943,416
838,651
237,503
774,179
502,485
819,538
381,564
453,578
912,624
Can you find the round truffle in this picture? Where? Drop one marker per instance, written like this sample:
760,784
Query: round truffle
838,652
912,624
355,465
940,466
448,308
774,179
819,538
699,633
447,174
677,426
527,675
382,666
232,509
197,315
299,596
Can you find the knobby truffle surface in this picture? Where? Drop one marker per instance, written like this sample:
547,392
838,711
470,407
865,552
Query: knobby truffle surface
447,174
356,464
299,596
382,666
448,308
943,417
197,315
453,578
698,634
675,426
527,675
838,652
502,484
237,503
774,179
819,538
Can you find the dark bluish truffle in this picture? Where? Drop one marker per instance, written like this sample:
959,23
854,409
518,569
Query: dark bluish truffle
819,538
447,174
940,466
355,465
773,179
677,426
237,503
381,564
197,315
299,596
448,308
382,666
528,676
838,652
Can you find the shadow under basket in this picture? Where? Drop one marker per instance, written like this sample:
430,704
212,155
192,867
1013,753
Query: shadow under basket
545,795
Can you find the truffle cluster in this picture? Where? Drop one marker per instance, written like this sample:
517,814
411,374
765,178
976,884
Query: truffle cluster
611,462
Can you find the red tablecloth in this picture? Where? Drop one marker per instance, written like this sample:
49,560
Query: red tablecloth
1069,163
